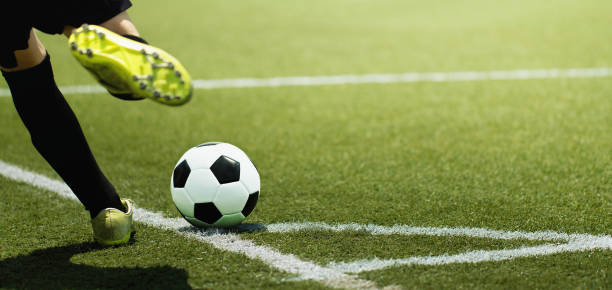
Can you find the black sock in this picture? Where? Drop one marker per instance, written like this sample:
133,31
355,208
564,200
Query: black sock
57,136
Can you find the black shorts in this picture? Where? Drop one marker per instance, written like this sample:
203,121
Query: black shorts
18,17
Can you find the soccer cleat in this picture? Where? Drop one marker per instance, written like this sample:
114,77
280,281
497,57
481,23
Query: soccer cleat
112,226
130,68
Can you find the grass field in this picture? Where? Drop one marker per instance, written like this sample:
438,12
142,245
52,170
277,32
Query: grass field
531,155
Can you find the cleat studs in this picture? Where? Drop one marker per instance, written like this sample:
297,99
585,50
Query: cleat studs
177,97
101,35
157,94
73,45
168,98
135,77
143,51
170,65
182,82
89,52
85,27
150,77
142,85
155,55
177,73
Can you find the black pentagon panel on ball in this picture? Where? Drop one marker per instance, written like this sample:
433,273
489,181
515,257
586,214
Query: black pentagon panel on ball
226,170
208,144
207,212
181,172
250,204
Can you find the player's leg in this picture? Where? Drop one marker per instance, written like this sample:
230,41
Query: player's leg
26,58
57,136
126,65
54,129
120,24
123,25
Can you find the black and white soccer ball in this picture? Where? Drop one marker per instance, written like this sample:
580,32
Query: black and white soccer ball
215,184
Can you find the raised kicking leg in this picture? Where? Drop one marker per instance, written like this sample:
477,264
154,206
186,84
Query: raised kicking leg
126,65
120,24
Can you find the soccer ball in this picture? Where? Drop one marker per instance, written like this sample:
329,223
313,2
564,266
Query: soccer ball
215,184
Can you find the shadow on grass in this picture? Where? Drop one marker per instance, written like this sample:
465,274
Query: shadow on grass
209,231
51,269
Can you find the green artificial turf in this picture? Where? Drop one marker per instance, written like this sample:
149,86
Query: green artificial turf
529,155
47,243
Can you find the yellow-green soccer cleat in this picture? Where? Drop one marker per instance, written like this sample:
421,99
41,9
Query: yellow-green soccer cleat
127,67
112,226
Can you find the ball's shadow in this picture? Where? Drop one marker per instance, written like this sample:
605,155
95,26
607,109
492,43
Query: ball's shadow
51,268
241,228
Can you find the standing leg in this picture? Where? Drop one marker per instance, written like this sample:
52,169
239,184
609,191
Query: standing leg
54,129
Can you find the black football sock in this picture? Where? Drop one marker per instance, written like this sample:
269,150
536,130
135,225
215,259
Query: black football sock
57,136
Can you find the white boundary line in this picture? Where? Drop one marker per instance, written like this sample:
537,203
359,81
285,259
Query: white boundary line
412,77
571,243
218,239
337,274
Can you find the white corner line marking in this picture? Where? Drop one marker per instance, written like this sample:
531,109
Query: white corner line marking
560,242
411,77
339,274
218,239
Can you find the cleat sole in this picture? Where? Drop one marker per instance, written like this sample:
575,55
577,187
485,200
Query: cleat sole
130,66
